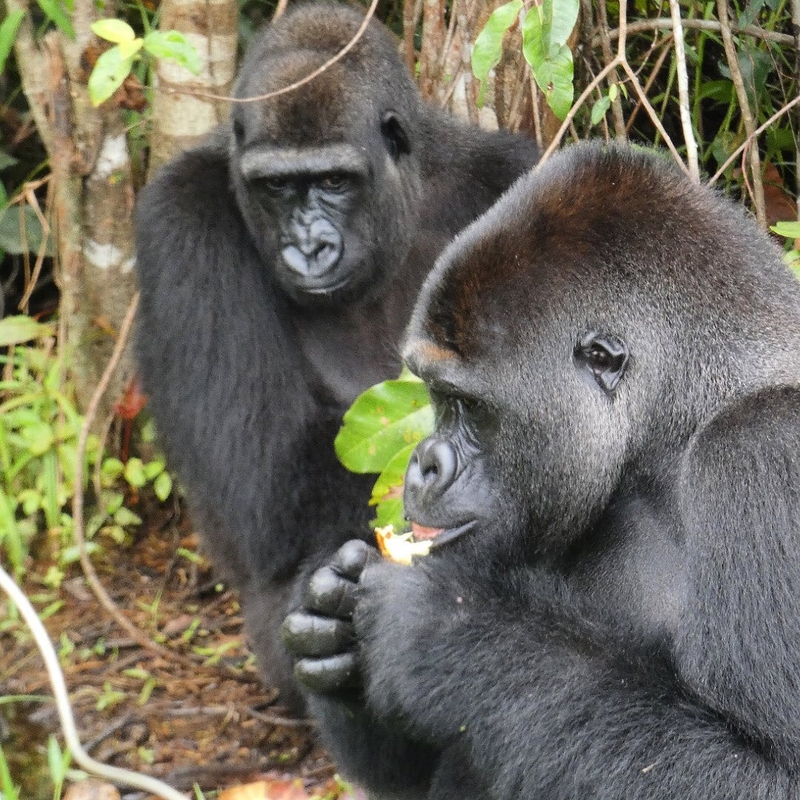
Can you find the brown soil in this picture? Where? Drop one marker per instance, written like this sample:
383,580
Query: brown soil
201,725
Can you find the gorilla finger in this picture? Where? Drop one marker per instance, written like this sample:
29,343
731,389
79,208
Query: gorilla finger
311,635
331,594
352,557
328,675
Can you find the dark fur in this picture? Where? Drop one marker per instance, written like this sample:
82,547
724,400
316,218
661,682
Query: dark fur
623,620
246,385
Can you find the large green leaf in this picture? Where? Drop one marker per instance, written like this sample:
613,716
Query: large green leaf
108,74
382,421
113,30
488,48
545,31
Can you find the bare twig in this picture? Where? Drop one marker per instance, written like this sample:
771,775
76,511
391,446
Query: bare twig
605,43
683,93
297,84
642,26
58,684
747,116
796,32
757,132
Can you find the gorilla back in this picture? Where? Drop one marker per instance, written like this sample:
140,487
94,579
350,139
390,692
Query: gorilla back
278,263
611,606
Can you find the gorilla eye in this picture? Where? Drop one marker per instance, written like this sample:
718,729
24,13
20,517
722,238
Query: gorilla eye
275,185
605,356
334,182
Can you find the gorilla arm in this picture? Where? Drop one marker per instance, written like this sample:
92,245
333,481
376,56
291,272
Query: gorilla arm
207,310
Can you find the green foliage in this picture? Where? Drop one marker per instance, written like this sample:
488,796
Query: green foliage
379,433
115,64
39,429
488,48
545,30
8,32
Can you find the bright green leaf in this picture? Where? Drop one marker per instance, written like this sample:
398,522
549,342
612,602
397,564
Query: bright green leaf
8,32
383,420
57,15
107,76
174,46
390,512
564,16
488,48
612,92
153,468
126,517
113,30
162,486
134,473
18,329
790,230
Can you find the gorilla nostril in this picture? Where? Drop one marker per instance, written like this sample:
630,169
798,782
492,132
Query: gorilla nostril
437,463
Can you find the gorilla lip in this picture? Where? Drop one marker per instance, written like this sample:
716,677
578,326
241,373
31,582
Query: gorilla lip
440,536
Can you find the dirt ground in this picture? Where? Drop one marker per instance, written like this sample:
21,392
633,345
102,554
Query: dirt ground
201,725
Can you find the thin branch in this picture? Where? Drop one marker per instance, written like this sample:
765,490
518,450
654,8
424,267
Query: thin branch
297,84
747,116
645,25
757,132
683,93
605,42
67,720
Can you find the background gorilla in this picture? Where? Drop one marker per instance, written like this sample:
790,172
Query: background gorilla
614,356
278,264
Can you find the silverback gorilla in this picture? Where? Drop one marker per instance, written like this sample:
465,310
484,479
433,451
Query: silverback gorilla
612,606
278,264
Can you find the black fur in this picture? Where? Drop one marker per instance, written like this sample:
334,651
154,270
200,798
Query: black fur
614,355
247,371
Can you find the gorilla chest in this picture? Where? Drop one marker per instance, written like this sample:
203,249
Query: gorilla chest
638,577
344,355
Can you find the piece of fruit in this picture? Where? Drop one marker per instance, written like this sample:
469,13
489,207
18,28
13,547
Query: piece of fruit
400,547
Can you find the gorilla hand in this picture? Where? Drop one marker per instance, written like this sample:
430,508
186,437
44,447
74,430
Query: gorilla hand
321,635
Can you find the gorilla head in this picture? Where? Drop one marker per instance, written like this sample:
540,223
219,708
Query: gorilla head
577,365
326,176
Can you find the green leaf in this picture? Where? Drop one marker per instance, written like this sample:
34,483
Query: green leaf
599,109
134,473
545,30
391,479
790,230
18,329
11,232
8,32
113,30
110,470
107,76
390,512
174,46
488,48
127,50
564,16
383,420
126,517
57,15
162,486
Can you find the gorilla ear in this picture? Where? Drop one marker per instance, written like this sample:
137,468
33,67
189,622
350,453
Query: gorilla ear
605,356
393,132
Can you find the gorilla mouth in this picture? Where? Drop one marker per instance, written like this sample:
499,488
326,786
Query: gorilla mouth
440,536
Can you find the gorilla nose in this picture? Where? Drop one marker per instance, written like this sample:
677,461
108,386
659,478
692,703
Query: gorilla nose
314,250
432,467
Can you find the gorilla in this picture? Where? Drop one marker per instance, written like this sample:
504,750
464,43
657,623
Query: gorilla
611,604
278,263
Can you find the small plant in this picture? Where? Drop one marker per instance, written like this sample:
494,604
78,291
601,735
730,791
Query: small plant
115,64
39,429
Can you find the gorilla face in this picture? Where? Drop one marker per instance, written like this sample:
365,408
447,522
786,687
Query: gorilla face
564,354
326,176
